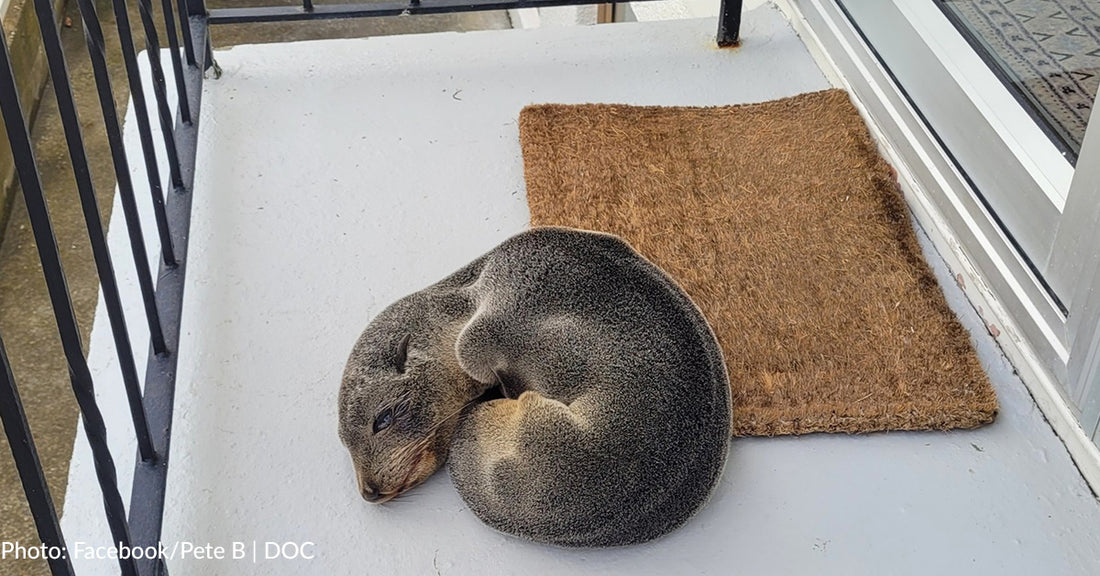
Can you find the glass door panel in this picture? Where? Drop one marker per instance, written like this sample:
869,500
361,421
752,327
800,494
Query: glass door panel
1047,53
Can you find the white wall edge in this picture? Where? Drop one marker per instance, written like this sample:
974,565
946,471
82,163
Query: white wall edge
1020,352
524,18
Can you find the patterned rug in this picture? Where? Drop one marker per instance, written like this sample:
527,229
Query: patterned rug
1049,49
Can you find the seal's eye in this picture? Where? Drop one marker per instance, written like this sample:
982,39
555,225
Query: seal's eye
383,421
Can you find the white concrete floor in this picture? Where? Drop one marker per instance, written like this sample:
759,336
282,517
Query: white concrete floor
337,176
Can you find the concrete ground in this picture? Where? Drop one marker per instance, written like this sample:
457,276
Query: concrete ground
26,319
290,259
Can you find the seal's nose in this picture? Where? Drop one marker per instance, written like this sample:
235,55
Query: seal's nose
370,493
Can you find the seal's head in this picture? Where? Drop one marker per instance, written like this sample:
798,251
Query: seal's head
400,399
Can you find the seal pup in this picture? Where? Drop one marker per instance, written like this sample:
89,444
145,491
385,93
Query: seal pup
611,414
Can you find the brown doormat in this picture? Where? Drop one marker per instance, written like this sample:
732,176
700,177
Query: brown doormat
788,230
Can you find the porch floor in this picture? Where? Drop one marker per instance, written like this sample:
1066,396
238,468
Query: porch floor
336,176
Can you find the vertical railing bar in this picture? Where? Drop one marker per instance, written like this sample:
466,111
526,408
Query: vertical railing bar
93,34
164,114
30,469
177,64
185,31
729,23
55,59
56,285
209,61
137,94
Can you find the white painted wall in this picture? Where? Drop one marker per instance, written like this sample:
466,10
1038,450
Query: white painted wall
553,17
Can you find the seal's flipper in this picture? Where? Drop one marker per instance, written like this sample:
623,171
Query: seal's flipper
507,461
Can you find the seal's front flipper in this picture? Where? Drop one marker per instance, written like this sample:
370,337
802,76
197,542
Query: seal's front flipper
524,465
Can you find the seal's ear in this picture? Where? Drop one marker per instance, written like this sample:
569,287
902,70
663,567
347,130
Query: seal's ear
402,353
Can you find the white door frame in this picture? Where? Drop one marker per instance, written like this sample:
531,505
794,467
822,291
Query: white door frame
1031,329
1079,249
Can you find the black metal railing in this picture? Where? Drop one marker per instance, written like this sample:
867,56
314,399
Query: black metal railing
190,54
729,20
151,409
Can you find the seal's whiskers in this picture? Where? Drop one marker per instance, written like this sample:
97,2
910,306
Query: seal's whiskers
404,452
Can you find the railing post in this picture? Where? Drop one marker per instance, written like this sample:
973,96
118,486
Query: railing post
729,23
197,9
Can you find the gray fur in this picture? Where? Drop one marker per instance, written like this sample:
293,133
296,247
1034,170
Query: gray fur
617,410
